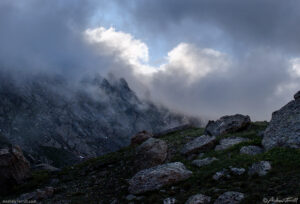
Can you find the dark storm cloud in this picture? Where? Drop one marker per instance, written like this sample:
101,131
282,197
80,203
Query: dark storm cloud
274,23
46,36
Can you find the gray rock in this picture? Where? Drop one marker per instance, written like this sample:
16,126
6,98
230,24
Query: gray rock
150,153
198,199
46,167
251,150
169,201
221,174
203,162
284,127
227,124
230,197
261,133
130,197
156,177
199,144
237,171
261,168
229,142
14,168
140,137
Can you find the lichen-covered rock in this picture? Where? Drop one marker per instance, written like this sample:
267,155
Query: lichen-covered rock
251,150
140,137
14,168
237,171
284,127
230,197
221,174
227,124
229,142
198,199
199,144
204,162
261,168
150,153
156,177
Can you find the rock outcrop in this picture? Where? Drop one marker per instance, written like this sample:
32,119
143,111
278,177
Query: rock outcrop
229,142
14,168
45,167
230,197
261,168
284,127
157,177
198,199
140,137
151,153
227,124
199,144
251,150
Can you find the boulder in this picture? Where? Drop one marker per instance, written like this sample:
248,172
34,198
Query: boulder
204,162
150,153
229,142
221,174
284,127
14,168
199,144
198,199
46,167
230,197
227,124
251,150
156,177
261,168
140,137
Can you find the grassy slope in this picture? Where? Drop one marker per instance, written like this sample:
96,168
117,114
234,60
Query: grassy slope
105,178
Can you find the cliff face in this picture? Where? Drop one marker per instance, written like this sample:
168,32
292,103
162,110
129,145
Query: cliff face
58,123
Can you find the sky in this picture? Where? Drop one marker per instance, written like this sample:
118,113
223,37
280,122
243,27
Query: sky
205,58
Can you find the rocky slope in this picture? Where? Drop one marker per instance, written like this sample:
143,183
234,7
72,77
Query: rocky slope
182,166
59,123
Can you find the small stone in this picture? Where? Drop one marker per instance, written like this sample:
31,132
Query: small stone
130,197
237,171
251,150
261,168
230,197
198,199
169,201
204,162
221,174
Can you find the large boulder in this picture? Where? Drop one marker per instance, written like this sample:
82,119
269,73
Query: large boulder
156,177
227,124
199,144
229,142
204,162
230,197
140,137
284,127
14,168
150,153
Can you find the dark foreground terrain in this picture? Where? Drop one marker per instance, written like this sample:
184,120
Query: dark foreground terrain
105,179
